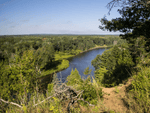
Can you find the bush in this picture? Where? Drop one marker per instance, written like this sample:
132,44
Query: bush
91,92
74,79
139,94
50,87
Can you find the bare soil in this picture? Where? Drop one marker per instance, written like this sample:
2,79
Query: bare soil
113,98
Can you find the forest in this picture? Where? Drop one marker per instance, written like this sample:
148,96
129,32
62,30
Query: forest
123,69
25,59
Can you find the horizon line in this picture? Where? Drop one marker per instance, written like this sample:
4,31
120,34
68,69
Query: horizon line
57,34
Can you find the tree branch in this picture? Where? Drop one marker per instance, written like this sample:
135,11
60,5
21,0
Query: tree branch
11,103
44,100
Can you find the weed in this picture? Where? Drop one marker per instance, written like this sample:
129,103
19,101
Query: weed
116,90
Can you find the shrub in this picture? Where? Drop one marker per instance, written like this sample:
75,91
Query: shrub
139,94
74,79
91,92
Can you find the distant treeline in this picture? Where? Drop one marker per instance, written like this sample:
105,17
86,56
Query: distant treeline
45,47
9,44
62,35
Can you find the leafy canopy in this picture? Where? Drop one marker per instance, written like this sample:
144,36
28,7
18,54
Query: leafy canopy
113,65
90,91
134,20
18,79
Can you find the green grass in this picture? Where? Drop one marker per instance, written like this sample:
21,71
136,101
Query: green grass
138,95
59,56
62,55
116,90
64,64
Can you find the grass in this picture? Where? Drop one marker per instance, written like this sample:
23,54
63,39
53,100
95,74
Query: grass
59,56
101,46
54,105
138,98
64,64
116,90
63,56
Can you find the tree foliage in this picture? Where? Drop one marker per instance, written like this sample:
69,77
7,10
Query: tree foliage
24,59
18,79
134,20
44,55
113,66
90,91
139,90
74,79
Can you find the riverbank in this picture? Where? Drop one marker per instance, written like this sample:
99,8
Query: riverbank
97,47
63,59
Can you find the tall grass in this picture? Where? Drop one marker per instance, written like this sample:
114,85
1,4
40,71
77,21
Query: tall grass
138,97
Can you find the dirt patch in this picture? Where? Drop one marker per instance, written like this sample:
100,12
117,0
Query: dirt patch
113,98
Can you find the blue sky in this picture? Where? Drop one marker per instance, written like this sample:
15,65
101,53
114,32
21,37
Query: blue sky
53,16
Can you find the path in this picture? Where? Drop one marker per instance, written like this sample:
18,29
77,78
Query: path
113,99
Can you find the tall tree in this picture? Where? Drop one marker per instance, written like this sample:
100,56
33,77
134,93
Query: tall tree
44,56
113,66
134,20
18,78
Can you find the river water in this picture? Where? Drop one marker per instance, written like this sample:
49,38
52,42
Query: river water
80,62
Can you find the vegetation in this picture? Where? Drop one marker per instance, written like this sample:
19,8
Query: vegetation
113,66
90,92
138,94
50,51
24,59
133,61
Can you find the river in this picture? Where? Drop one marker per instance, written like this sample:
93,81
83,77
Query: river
80,62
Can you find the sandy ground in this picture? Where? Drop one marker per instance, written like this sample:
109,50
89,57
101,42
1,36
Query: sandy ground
113,98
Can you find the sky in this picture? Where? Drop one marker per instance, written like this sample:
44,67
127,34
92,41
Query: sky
54,16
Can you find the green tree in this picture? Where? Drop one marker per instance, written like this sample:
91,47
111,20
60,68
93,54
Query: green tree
44,56
19,78
134,20
113,66
87,71
90,91
74,79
